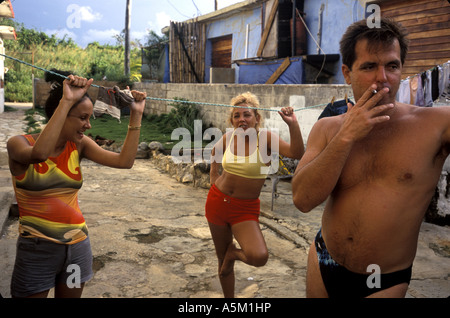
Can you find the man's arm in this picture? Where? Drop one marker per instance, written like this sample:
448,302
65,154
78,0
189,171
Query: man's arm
319,169
446,135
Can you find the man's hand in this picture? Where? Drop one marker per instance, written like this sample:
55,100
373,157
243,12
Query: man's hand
365,114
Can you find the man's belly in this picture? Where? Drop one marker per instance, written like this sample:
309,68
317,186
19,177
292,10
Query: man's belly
373,224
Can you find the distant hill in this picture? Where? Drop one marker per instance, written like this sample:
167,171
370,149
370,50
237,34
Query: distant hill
37,48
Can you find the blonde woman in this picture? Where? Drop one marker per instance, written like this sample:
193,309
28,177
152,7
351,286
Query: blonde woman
233,207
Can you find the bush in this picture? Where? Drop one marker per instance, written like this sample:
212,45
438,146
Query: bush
18,86
182,115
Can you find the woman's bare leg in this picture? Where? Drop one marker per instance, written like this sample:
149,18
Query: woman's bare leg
222,238
253,249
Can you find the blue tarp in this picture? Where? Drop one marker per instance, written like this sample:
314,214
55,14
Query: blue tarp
260,72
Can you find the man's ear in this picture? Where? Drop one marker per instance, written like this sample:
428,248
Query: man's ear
346,71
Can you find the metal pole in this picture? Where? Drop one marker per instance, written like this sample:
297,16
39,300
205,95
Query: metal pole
127,38
319,32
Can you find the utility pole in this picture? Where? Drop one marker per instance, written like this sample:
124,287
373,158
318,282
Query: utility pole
127,38
215,5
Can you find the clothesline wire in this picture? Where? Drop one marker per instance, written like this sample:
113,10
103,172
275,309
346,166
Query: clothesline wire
165,99
411,76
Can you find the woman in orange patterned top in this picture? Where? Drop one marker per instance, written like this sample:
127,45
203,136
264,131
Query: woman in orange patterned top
53,248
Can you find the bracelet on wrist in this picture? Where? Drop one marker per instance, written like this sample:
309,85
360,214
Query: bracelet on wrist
134,127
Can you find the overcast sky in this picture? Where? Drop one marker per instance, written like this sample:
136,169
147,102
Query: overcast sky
86,21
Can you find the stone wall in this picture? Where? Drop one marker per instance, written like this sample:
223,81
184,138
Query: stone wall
196,174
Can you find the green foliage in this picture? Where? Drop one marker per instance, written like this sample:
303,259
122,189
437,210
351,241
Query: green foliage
153,53
182,115
110,128
18,86
35,47
33,125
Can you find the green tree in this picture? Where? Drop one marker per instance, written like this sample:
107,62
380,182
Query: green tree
96,61
153,52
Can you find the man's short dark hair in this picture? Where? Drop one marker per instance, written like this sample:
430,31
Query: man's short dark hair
385,35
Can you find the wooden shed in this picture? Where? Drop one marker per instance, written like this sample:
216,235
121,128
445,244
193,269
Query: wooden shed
428,24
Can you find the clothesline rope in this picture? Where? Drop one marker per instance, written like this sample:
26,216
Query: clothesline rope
426,87
411,76
275,109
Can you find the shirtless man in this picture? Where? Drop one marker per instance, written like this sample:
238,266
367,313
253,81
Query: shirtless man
378,165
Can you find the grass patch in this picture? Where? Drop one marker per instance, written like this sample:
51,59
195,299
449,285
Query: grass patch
153,127
108,127
9,109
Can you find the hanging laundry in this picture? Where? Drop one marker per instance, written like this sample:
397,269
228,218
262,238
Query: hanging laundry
444,82
416,91
426,76
110,100
335,108
441,79
403,94
434,83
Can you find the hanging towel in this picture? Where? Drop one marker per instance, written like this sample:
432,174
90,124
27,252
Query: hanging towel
427,88
441,79
444,80
416,91
403,94
110,100
434,83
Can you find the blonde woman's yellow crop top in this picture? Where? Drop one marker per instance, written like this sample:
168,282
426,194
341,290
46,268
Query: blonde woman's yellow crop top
251,166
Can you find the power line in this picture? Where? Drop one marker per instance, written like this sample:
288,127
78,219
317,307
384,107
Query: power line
198,11
177,9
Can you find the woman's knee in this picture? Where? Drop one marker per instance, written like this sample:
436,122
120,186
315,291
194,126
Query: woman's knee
257,258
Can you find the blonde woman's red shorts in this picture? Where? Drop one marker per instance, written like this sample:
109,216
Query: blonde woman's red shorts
221,209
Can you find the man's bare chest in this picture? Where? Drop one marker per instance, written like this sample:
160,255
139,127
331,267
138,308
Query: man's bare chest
395,156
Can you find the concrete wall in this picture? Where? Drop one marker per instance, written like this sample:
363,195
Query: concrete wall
235,25
337,15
